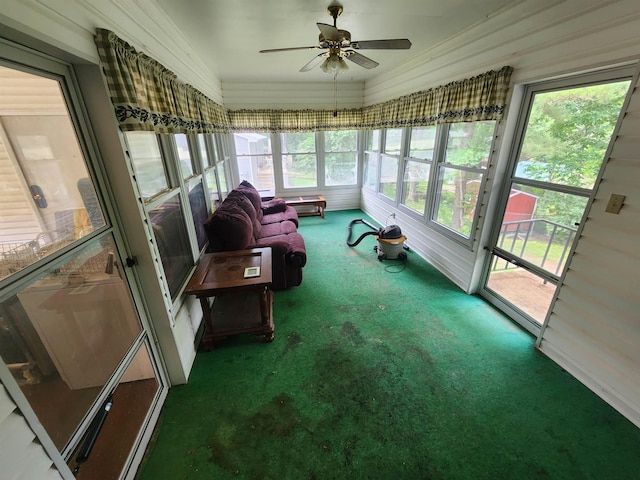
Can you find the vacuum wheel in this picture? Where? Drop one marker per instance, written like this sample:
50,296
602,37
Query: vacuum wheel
402,256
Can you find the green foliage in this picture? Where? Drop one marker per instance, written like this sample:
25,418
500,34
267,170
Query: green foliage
568,133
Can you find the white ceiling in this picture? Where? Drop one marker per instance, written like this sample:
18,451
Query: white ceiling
227,34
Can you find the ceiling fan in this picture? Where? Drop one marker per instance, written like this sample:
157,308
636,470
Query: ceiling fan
339,46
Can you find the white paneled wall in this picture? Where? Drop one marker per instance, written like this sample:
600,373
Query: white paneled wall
593,330
21,456
299,95
539,38
451,258
69,25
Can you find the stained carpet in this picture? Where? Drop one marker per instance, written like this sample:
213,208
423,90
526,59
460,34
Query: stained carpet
383,370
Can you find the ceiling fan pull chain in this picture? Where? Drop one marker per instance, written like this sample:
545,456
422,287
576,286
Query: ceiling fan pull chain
335,94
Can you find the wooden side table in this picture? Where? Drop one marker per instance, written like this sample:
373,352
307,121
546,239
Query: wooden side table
242,304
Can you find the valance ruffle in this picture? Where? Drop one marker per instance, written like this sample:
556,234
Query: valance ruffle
146,96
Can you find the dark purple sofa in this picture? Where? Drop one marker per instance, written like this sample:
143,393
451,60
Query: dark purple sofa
244,221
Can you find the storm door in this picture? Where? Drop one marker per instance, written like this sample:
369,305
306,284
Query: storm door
72,343
565,129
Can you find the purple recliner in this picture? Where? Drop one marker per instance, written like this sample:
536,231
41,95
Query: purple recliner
243,221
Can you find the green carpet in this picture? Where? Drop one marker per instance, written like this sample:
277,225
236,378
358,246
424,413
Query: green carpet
381,370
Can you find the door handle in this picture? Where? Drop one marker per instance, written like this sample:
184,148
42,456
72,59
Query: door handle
38,196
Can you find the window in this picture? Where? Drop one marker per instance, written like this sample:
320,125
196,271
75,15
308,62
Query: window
302,160
417,168
388,176
255,160
199,211
205,158
372,159
184,156
389,162
561,146
443,172
461,174
170,233
146,158
164,200
393,141
299,160
341,157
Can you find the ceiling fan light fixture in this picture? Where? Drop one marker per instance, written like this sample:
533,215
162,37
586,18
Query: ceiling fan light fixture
334,64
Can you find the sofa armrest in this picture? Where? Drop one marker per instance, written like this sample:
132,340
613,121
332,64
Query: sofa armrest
276,205
297,254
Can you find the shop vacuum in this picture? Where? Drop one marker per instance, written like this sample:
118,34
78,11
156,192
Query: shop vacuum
391,242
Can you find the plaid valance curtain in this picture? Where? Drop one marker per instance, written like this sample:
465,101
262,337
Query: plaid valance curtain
278,121
147,96
478,98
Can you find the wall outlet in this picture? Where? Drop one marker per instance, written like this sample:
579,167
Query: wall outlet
615,203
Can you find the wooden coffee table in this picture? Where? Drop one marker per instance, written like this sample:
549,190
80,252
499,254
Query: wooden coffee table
242,304
317,201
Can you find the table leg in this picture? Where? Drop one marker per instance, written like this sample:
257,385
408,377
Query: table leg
266,297
207,337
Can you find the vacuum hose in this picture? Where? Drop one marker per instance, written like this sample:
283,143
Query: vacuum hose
375,231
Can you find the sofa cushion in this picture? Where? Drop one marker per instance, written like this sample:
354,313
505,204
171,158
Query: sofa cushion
281,228
253,195
241,200
229,228
289,213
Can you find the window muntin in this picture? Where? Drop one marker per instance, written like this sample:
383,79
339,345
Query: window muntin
148,166
299,160
341,157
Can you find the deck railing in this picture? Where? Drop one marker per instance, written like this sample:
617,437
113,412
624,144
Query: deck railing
516,236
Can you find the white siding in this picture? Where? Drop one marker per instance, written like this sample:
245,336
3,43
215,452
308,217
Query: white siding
21,456
539,38
238,95
593,330
70,25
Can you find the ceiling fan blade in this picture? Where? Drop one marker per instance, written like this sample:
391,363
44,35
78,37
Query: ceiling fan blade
314,61
288,49
329,32
392,44
360,59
